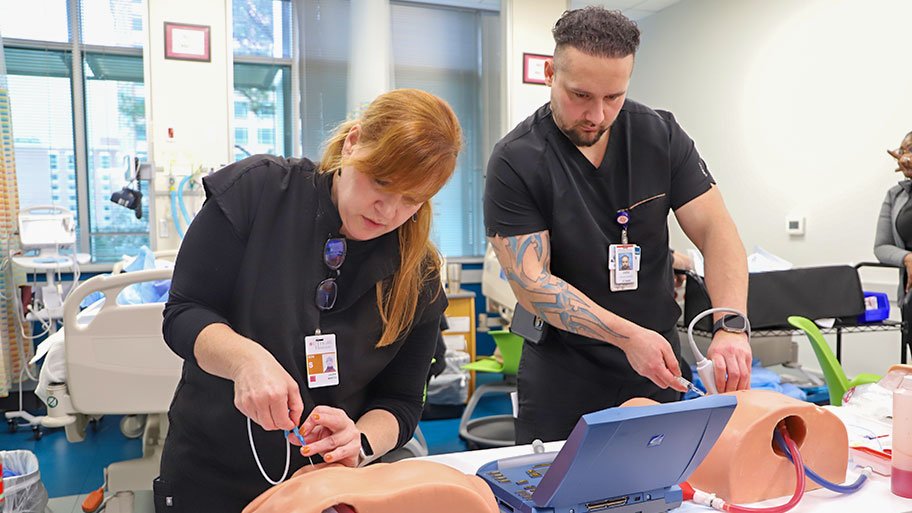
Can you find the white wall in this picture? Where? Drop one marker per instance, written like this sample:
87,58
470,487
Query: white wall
527,29
792,105
193,98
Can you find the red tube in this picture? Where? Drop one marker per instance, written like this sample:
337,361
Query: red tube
799,488
687,491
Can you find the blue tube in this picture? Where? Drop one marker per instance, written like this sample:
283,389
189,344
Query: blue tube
180,197
852,488
174,200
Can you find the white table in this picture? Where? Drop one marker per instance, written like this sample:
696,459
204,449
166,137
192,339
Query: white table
874,496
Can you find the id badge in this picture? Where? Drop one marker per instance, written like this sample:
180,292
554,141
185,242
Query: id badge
322,360
623,266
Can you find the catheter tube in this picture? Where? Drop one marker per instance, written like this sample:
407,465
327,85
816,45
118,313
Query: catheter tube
851,488
799,487
177,225
180,197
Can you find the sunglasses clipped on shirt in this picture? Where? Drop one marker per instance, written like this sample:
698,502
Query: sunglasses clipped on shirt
333,257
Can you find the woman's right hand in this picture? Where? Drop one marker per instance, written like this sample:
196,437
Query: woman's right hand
907,261
266,393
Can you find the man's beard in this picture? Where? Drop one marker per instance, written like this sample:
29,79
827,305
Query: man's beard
584,139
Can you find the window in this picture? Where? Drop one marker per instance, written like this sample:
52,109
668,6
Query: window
42,121
115,109
19,20
265,135
240,136
462,68
262,28
41,71
325,30
263,62
453,52
240,110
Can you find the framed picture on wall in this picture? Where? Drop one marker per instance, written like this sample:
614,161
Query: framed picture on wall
187,42
534,68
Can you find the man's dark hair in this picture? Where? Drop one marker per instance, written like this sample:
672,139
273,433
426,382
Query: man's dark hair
596,31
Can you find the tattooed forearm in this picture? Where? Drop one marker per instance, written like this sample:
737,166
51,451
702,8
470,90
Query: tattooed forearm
526,261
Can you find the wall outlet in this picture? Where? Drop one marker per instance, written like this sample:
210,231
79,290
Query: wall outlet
794,225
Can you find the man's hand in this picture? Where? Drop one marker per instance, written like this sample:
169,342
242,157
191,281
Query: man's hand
651,356
731,357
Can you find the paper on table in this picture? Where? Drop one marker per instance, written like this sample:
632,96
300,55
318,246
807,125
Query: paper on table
459,324
455,342
760,261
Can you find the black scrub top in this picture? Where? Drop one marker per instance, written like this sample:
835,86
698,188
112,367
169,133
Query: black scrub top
538,180
252,259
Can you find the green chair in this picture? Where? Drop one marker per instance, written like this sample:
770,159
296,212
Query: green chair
494,430
836,380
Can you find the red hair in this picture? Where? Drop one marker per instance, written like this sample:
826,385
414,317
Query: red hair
412,140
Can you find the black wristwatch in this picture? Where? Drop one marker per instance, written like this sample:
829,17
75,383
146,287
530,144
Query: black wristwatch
367,452
731,323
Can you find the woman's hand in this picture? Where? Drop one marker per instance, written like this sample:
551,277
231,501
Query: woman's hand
907,261
330,433
266,393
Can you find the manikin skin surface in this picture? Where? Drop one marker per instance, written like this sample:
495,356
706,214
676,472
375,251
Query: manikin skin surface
407,486
743,467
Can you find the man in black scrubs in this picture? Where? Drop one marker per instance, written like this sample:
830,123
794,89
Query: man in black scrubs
585,183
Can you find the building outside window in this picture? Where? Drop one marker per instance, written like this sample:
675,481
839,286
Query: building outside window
46,82
263,60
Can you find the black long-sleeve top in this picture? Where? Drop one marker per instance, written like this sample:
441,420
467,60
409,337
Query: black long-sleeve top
252,259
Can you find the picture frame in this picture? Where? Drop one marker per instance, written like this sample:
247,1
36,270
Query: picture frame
534,68
187,42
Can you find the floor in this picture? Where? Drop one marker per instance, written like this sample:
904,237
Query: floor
69,471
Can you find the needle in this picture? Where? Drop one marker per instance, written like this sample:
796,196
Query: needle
690,386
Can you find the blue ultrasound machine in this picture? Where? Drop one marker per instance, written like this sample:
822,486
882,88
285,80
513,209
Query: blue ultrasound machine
619,460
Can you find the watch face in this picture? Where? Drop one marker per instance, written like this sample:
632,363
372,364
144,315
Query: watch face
733,323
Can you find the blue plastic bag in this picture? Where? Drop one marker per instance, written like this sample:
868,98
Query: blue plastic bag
761,379
139,293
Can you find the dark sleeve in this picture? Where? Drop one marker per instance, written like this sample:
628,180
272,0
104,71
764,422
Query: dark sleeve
399,389
439,362
510,208
204,278
689,176
885,248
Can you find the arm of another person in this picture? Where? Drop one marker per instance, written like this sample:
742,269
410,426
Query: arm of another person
197,328
709,226
526,262
885,249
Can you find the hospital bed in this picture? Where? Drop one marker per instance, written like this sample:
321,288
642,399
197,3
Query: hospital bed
117,363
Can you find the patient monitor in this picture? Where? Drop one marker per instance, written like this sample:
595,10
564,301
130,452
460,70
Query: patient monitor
46,226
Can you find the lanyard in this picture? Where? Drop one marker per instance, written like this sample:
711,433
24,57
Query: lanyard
623,219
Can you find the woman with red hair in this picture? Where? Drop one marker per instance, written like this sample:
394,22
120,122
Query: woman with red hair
291,264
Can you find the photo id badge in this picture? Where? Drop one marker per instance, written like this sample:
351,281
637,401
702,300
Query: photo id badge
624,266
322,361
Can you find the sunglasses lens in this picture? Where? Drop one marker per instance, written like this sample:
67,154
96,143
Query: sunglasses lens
326,294
334,253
